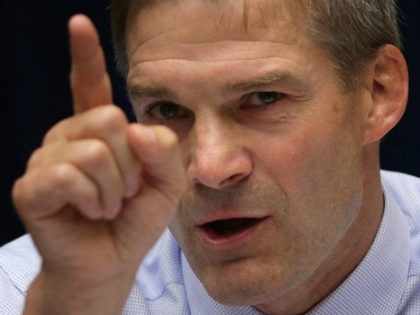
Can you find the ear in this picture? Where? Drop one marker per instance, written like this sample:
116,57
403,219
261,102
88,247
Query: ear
389,92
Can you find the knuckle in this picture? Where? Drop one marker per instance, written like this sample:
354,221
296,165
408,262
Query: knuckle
55,133
64,175
35,158
18,193
50,136
111,117
24,194
96,153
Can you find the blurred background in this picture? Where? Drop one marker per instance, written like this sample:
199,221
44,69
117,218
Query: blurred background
34,87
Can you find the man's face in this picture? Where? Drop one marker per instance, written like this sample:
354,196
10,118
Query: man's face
271,144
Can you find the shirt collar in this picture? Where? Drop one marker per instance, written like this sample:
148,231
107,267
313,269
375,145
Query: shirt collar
377,284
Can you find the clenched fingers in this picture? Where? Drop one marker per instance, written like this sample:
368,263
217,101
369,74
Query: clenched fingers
108,124
44,192
93,158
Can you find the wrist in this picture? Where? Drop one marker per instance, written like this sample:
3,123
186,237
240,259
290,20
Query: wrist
56,295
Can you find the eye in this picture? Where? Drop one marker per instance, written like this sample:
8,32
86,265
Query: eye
166,111
260,99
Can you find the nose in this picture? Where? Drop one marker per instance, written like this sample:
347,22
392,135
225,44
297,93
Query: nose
218,159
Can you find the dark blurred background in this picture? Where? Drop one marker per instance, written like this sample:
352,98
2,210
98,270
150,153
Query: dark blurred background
34,68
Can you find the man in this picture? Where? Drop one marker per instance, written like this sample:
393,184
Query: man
259,147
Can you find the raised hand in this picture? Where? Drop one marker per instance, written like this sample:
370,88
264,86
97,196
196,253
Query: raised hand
97,194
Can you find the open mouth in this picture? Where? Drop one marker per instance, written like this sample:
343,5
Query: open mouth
229,227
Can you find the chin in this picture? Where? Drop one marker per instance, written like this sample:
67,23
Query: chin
247,283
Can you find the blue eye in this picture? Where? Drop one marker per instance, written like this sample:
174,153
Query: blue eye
263,98
167,111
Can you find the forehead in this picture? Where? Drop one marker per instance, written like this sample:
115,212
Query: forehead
186,22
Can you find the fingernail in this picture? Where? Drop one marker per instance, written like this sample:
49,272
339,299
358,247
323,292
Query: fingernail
95,213
113,212
132,190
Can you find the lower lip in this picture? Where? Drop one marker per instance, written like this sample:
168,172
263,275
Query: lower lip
225,242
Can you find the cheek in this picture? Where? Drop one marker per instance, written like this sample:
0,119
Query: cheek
321,176
287,161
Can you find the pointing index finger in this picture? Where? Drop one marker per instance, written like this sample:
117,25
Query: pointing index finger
89,79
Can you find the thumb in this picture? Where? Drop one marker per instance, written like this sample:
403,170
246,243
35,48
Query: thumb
164,179
158,150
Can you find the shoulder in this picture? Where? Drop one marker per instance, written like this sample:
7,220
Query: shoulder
19,265
20,261
404,187
159,285
405,190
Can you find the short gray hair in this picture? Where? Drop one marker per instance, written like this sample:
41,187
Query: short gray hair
351,31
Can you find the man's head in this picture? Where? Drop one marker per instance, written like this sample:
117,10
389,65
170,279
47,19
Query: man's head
284,196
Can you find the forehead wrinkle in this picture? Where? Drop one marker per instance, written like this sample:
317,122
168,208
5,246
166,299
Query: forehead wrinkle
210,52
266,11
277,77
277,20
203,61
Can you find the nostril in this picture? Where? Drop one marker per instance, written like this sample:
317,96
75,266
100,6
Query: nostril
216,180
232,180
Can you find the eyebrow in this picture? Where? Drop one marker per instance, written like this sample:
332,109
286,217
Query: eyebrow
284,78
148,91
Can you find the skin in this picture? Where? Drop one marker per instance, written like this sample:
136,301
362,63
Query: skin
96,195
300,161
306,160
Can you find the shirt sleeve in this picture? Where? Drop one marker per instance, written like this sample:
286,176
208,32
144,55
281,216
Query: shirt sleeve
19,265
11,298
